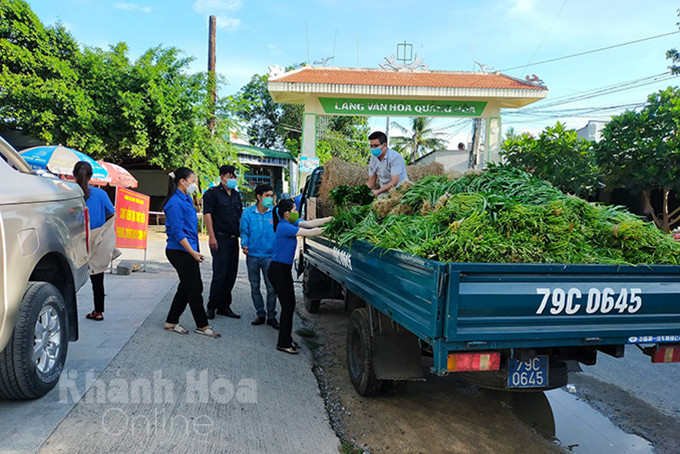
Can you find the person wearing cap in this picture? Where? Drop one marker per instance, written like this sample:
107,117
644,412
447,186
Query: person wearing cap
257,243
222,208
386,165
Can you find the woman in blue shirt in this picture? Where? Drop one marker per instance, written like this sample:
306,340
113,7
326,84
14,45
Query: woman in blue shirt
181,226
100,210
287,228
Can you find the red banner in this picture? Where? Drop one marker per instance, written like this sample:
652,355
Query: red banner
132,219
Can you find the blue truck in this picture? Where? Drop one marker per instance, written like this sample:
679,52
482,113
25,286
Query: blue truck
504,326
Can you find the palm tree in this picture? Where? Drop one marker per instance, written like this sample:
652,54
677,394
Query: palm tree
418,141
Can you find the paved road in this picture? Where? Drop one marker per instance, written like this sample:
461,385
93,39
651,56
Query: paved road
131,386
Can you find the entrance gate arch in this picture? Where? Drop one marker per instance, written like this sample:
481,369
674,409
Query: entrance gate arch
407,93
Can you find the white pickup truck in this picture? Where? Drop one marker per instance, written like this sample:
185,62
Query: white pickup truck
44,230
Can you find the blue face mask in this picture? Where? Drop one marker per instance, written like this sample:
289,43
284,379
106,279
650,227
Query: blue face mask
376,152
231,183
267,201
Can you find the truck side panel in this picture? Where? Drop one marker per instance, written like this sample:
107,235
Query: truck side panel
541,305
407,289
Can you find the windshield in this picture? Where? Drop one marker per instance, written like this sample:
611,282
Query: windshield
14,159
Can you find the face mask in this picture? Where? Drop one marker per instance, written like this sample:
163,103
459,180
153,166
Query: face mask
267,201
231,183
376,152
294,216
193,187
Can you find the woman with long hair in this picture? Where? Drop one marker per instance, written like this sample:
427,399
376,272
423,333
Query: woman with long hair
101,210
182,251
287,228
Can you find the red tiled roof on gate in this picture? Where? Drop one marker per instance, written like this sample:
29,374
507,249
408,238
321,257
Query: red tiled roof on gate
416,78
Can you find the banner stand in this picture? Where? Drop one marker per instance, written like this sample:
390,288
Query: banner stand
132,222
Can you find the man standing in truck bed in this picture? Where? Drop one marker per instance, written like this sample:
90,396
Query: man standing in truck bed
386,163
222,208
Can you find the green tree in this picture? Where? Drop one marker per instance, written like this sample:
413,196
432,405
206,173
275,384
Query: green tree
420,139
344,137
101,103
559,156
39,89
269,124
641,152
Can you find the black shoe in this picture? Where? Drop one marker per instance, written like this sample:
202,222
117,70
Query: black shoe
289,350
295,344
273,323
210,313
228,313
258,321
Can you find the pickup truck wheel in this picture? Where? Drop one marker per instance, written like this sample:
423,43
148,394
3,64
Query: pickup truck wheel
32,362
312,305
360,354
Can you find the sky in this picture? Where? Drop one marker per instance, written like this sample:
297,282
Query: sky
508,35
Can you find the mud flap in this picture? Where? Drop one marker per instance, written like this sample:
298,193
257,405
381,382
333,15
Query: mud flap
397,357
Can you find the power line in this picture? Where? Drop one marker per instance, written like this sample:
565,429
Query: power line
591,51
546,35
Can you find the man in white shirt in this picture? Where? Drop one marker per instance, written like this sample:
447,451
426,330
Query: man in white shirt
386,164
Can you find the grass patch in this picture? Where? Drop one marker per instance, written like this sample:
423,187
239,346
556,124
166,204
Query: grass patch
348,448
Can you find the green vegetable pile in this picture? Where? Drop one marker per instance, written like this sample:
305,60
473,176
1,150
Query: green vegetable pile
502,215
345,196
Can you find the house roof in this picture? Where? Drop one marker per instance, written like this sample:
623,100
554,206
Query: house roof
414,78
262,152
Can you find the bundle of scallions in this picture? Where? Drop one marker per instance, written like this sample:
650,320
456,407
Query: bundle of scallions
502,215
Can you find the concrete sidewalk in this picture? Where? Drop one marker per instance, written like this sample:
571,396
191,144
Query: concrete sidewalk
140,388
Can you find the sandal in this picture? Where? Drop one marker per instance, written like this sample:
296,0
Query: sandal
98,316
177,329
207,332
289,350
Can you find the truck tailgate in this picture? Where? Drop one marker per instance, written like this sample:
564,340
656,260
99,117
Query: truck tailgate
505,305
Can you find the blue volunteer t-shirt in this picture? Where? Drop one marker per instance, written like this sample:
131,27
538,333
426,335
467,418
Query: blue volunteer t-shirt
99,205
285,242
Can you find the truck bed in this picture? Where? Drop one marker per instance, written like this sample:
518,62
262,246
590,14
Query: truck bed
474,307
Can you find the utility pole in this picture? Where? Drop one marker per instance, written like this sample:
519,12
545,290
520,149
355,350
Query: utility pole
212,80
387,130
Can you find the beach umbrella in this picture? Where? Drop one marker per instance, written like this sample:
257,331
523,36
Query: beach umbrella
60,161
118,176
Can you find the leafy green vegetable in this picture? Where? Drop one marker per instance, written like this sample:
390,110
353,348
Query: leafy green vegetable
503,215
344,196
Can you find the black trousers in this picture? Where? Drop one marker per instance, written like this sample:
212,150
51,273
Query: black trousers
225,270
281,277
97,281
189,290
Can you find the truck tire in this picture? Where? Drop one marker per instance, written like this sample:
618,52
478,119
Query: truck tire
360,354
42,327
311,304
498,379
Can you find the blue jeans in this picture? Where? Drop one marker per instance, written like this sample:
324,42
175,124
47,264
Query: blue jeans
255,266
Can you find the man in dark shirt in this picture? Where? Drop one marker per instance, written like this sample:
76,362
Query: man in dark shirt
222,208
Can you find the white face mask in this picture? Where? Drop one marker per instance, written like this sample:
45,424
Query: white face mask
193,187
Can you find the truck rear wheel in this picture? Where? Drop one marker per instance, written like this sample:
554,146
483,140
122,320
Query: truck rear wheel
32,361
360,354
311,304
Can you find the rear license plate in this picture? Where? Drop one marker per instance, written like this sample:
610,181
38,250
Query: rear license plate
531,373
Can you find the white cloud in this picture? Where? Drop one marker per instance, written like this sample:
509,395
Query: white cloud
521,6
274,50
228,23
132,7
221,9
216,6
